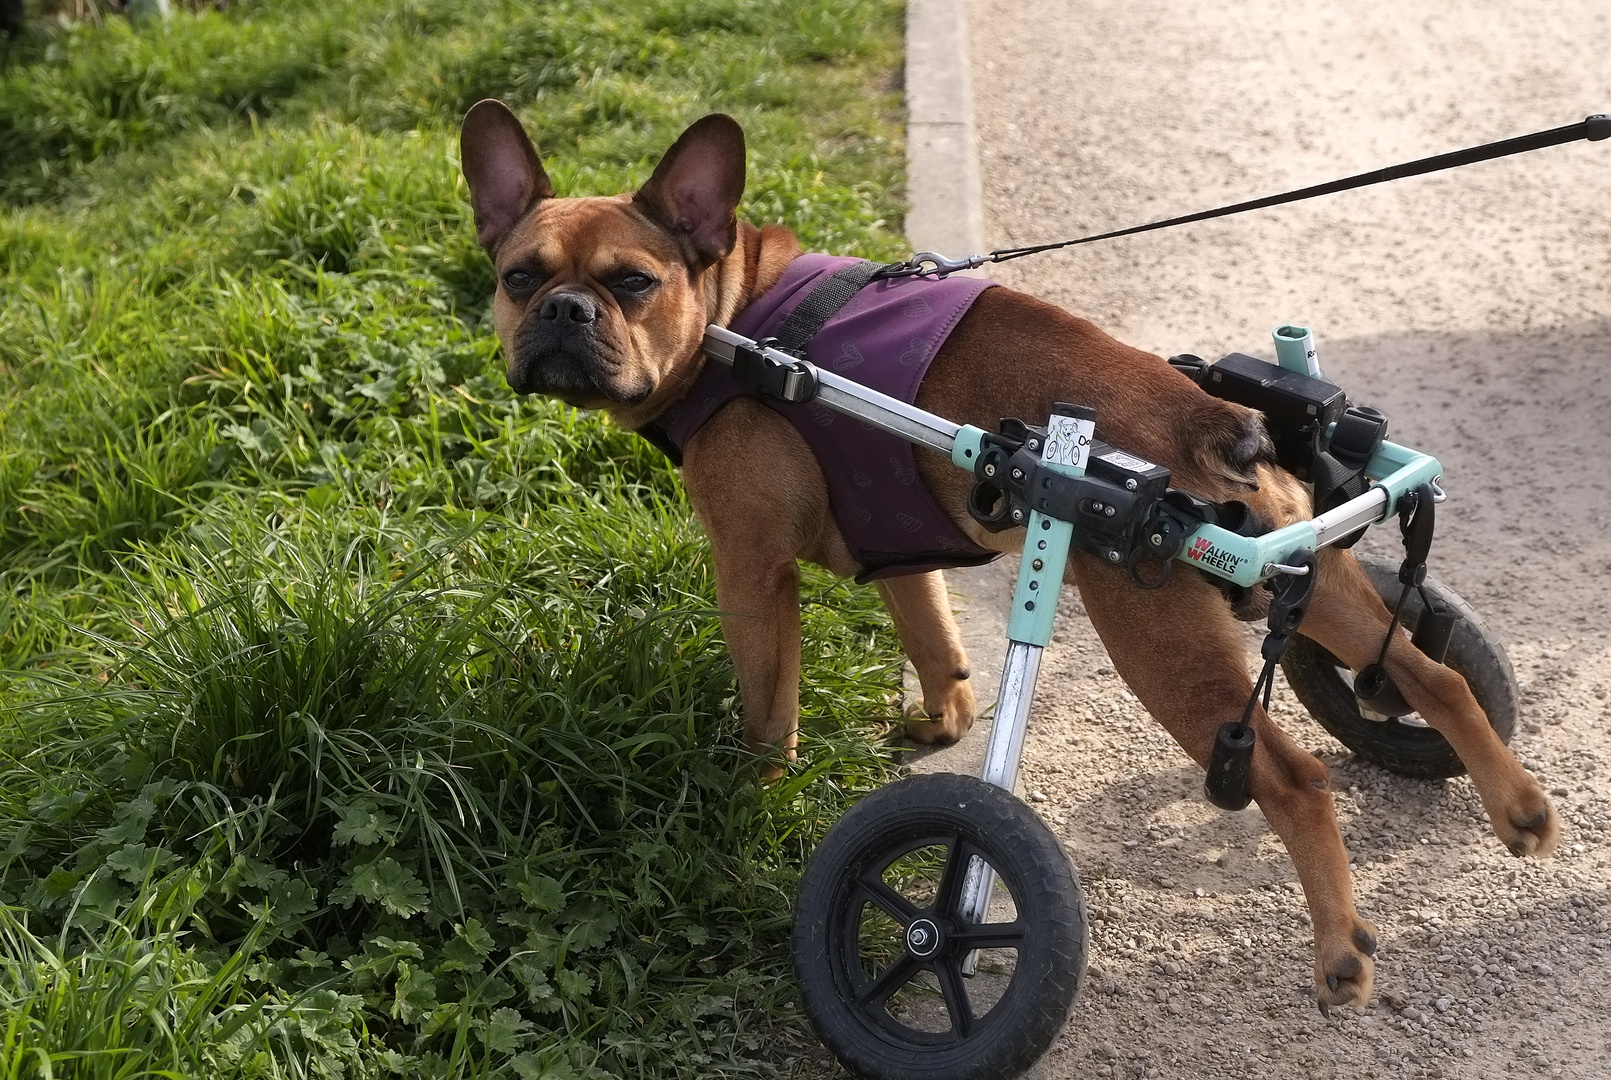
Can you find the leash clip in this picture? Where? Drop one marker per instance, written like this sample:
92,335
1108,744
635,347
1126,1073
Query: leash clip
933,264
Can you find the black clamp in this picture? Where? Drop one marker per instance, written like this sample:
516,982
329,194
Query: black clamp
794,382
1007,461
1339,469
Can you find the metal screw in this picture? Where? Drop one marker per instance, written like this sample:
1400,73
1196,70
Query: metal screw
1109,511
1018,515
1113,556
990,470
1157,540
1038,565
1018,474
1034,444
1130,485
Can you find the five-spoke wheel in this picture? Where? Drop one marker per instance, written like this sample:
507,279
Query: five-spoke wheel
901,985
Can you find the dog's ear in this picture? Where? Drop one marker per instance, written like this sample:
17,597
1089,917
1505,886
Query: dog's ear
697,185
503,170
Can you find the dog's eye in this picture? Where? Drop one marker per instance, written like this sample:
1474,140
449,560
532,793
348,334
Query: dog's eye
519,280
636,283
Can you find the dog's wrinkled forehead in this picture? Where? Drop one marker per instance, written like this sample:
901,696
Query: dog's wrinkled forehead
587,237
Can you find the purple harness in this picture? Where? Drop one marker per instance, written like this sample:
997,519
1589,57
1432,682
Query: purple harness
884,338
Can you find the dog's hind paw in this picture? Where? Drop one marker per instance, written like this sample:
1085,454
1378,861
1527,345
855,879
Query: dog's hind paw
1344,970
1529,827
941,722
929,730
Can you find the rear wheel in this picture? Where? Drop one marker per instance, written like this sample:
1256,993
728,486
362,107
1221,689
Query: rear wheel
1405,744
883,957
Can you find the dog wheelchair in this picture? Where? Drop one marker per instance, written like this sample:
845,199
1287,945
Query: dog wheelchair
940,930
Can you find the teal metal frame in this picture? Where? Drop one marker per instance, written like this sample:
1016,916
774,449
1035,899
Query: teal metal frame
1248,560
1243,560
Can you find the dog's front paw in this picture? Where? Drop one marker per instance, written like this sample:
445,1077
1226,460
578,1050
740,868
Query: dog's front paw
1344,970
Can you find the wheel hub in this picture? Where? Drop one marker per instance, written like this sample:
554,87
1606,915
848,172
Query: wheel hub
923,938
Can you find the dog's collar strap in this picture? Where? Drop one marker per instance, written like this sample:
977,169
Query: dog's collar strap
883,333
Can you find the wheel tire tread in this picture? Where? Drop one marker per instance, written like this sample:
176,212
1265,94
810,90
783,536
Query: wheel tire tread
1049,890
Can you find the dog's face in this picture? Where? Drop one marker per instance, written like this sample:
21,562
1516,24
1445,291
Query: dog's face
601,300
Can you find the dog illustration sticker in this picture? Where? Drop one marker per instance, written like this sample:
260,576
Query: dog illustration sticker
1068,440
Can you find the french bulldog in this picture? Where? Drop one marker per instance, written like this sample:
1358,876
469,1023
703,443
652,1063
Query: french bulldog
602,302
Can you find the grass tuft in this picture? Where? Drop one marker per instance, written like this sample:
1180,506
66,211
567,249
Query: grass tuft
358,718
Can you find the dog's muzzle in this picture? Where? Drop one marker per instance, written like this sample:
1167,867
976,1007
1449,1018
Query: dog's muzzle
557,348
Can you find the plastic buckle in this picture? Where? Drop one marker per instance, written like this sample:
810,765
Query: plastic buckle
793,383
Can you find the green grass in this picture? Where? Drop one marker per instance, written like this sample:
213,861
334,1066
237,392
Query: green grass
356,717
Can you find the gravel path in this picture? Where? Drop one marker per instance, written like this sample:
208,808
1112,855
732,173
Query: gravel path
1473,308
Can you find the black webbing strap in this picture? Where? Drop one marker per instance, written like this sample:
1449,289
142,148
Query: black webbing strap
822,304
1339,471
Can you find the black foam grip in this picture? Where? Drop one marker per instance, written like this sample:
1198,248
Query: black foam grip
1434,631
1375,690
1226,784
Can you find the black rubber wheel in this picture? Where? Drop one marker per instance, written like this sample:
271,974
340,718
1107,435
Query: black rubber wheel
880,952
1405,745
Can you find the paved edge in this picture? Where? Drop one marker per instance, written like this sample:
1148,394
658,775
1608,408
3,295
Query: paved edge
945,197
945,213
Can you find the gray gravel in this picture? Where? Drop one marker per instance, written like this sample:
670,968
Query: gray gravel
1472,307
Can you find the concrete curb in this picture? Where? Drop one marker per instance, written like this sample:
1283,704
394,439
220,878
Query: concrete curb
945,213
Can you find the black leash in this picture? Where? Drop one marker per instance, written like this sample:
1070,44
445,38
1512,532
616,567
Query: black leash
1593,129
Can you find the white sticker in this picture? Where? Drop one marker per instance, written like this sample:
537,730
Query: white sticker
1068,440
1125,461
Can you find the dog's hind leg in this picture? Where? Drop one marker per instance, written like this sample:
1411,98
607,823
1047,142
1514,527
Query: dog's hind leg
1349,620
1179,649
921,609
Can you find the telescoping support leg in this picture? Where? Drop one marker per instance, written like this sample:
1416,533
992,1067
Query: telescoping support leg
1029,628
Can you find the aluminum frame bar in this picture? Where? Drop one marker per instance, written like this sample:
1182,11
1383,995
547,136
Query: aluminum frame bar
847,396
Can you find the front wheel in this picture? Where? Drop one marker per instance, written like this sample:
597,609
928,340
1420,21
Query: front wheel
1405,744
897,984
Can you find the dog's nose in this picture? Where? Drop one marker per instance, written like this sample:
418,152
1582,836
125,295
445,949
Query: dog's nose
568,307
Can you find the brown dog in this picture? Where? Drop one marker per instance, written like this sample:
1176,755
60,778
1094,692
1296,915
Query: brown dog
602,302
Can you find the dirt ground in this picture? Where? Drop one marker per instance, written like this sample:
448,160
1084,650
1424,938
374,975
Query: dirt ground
1472,307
